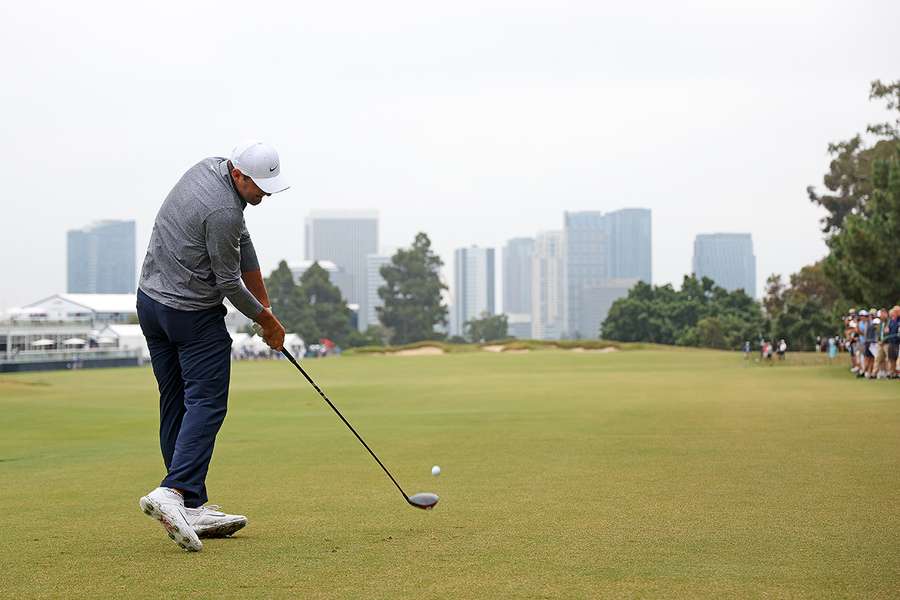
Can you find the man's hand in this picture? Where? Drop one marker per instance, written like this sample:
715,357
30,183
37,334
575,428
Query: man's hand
272,329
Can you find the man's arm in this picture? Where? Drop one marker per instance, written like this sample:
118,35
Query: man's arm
222,231
251,275
273,331
224,239
254,282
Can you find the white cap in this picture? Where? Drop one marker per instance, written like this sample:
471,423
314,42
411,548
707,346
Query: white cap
259,161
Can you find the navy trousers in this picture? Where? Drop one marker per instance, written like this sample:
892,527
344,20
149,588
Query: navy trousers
191,356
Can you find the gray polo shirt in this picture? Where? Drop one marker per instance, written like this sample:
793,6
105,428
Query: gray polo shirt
200,245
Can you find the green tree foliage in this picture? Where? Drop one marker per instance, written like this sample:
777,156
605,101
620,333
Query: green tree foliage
314,309
849,174
890,93
803,310
710,333
325,313
773,301
412,294
699,314
374,335
801,321
487,328
848,179
865,254
813,283
285,297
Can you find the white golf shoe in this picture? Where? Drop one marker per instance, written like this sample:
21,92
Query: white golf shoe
167,506
208,521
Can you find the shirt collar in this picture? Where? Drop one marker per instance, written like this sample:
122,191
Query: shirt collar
223,172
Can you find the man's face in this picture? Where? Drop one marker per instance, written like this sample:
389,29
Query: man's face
248,190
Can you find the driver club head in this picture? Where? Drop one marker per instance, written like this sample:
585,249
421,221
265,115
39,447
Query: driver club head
423,500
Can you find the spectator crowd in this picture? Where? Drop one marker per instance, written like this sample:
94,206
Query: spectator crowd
872,338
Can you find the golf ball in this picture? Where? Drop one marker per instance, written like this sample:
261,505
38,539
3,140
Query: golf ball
435,470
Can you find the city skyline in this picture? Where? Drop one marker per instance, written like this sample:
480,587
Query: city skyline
342,279
473,144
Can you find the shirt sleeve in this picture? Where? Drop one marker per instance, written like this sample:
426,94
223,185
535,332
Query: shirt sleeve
223,243
249,262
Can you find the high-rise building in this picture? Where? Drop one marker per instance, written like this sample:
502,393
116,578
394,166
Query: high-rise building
517,275
603,251
548,286
727,259
101,258
473,285
368,314
598,299
586,240
345,238
628,232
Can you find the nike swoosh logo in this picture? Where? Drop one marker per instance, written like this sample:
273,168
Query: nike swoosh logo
272,170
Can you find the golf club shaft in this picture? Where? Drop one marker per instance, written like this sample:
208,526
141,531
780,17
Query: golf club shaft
291,358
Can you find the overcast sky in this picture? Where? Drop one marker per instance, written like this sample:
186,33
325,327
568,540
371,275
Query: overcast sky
472,121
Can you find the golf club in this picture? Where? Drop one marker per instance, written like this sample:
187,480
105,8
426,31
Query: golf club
423,500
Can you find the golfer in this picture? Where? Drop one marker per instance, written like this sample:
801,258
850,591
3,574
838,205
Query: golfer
200,252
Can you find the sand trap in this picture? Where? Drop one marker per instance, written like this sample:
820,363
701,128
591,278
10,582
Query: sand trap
424,351
596,350
516,351
494,348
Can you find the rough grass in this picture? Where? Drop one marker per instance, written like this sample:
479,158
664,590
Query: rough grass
565,475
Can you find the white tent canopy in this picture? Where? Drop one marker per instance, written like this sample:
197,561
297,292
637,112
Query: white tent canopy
125,337
295,345
42,343
244,345
74,342
257,344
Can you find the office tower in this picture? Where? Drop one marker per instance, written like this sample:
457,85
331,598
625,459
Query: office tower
727,259
628,246
603,251
345,238
586,253
547,286
597,299
517,256
368,315
473,285
101,258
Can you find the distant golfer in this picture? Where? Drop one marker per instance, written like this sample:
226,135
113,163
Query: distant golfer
200,252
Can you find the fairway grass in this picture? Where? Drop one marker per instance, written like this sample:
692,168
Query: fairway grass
655,473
